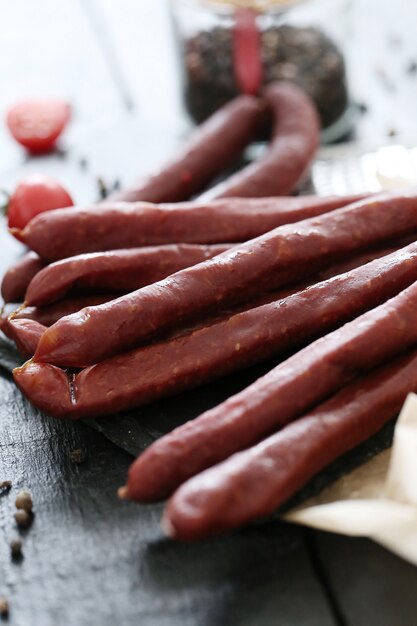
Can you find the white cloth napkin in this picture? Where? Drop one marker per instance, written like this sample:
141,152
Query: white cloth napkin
377,500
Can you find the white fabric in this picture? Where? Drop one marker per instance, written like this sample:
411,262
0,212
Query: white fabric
377,500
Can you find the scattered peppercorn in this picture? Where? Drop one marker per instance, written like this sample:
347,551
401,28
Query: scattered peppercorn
392,132
412,68
5,485
362,107
16,548
103,190
83,163
24,501
61,152
77,456
4,608
23,518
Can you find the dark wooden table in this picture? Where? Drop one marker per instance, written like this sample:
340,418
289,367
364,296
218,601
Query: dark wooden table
89,559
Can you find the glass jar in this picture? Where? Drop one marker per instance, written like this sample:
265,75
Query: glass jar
235,46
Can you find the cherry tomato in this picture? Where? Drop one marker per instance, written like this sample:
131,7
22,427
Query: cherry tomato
33,195
37,124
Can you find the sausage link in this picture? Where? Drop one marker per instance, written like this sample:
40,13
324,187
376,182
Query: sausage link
18,277
254,482
116,270
25,333
296,385
64,233
240,340
48,315
269,262
194,341
296,137
212,148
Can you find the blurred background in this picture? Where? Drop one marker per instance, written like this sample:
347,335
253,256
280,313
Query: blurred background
125,73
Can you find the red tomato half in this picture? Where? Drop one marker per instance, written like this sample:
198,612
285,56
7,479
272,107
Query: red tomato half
35,194
37,124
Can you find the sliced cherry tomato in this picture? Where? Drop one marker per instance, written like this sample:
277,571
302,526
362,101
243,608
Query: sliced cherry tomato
37,124
33,195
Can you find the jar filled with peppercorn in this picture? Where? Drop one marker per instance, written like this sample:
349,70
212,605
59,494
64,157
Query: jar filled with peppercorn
229,47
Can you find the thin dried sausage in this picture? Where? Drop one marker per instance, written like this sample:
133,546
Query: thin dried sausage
25,333
117,270
254,482
225,330
233,343
211,148
64,233
270,262
289,390
296,137
48,315
18,277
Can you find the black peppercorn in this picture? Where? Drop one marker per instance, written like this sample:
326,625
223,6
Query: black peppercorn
4,608
24,501
16,548
23,518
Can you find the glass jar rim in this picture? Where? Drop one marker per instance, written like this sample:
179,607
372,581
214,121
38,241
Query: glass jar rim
258,5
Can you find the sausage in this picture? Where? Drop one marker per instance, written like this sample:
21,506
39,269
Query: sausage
25,333
211,351
295,139
352,262
213,147
18,277
48,315
264,264
116,270
64,233
289,390
185,349
254,482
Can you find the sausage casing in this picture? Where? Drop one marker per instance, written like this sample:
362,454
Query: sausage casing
254,482
220,347
117,270
289,390
284,255
63,233
295,139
